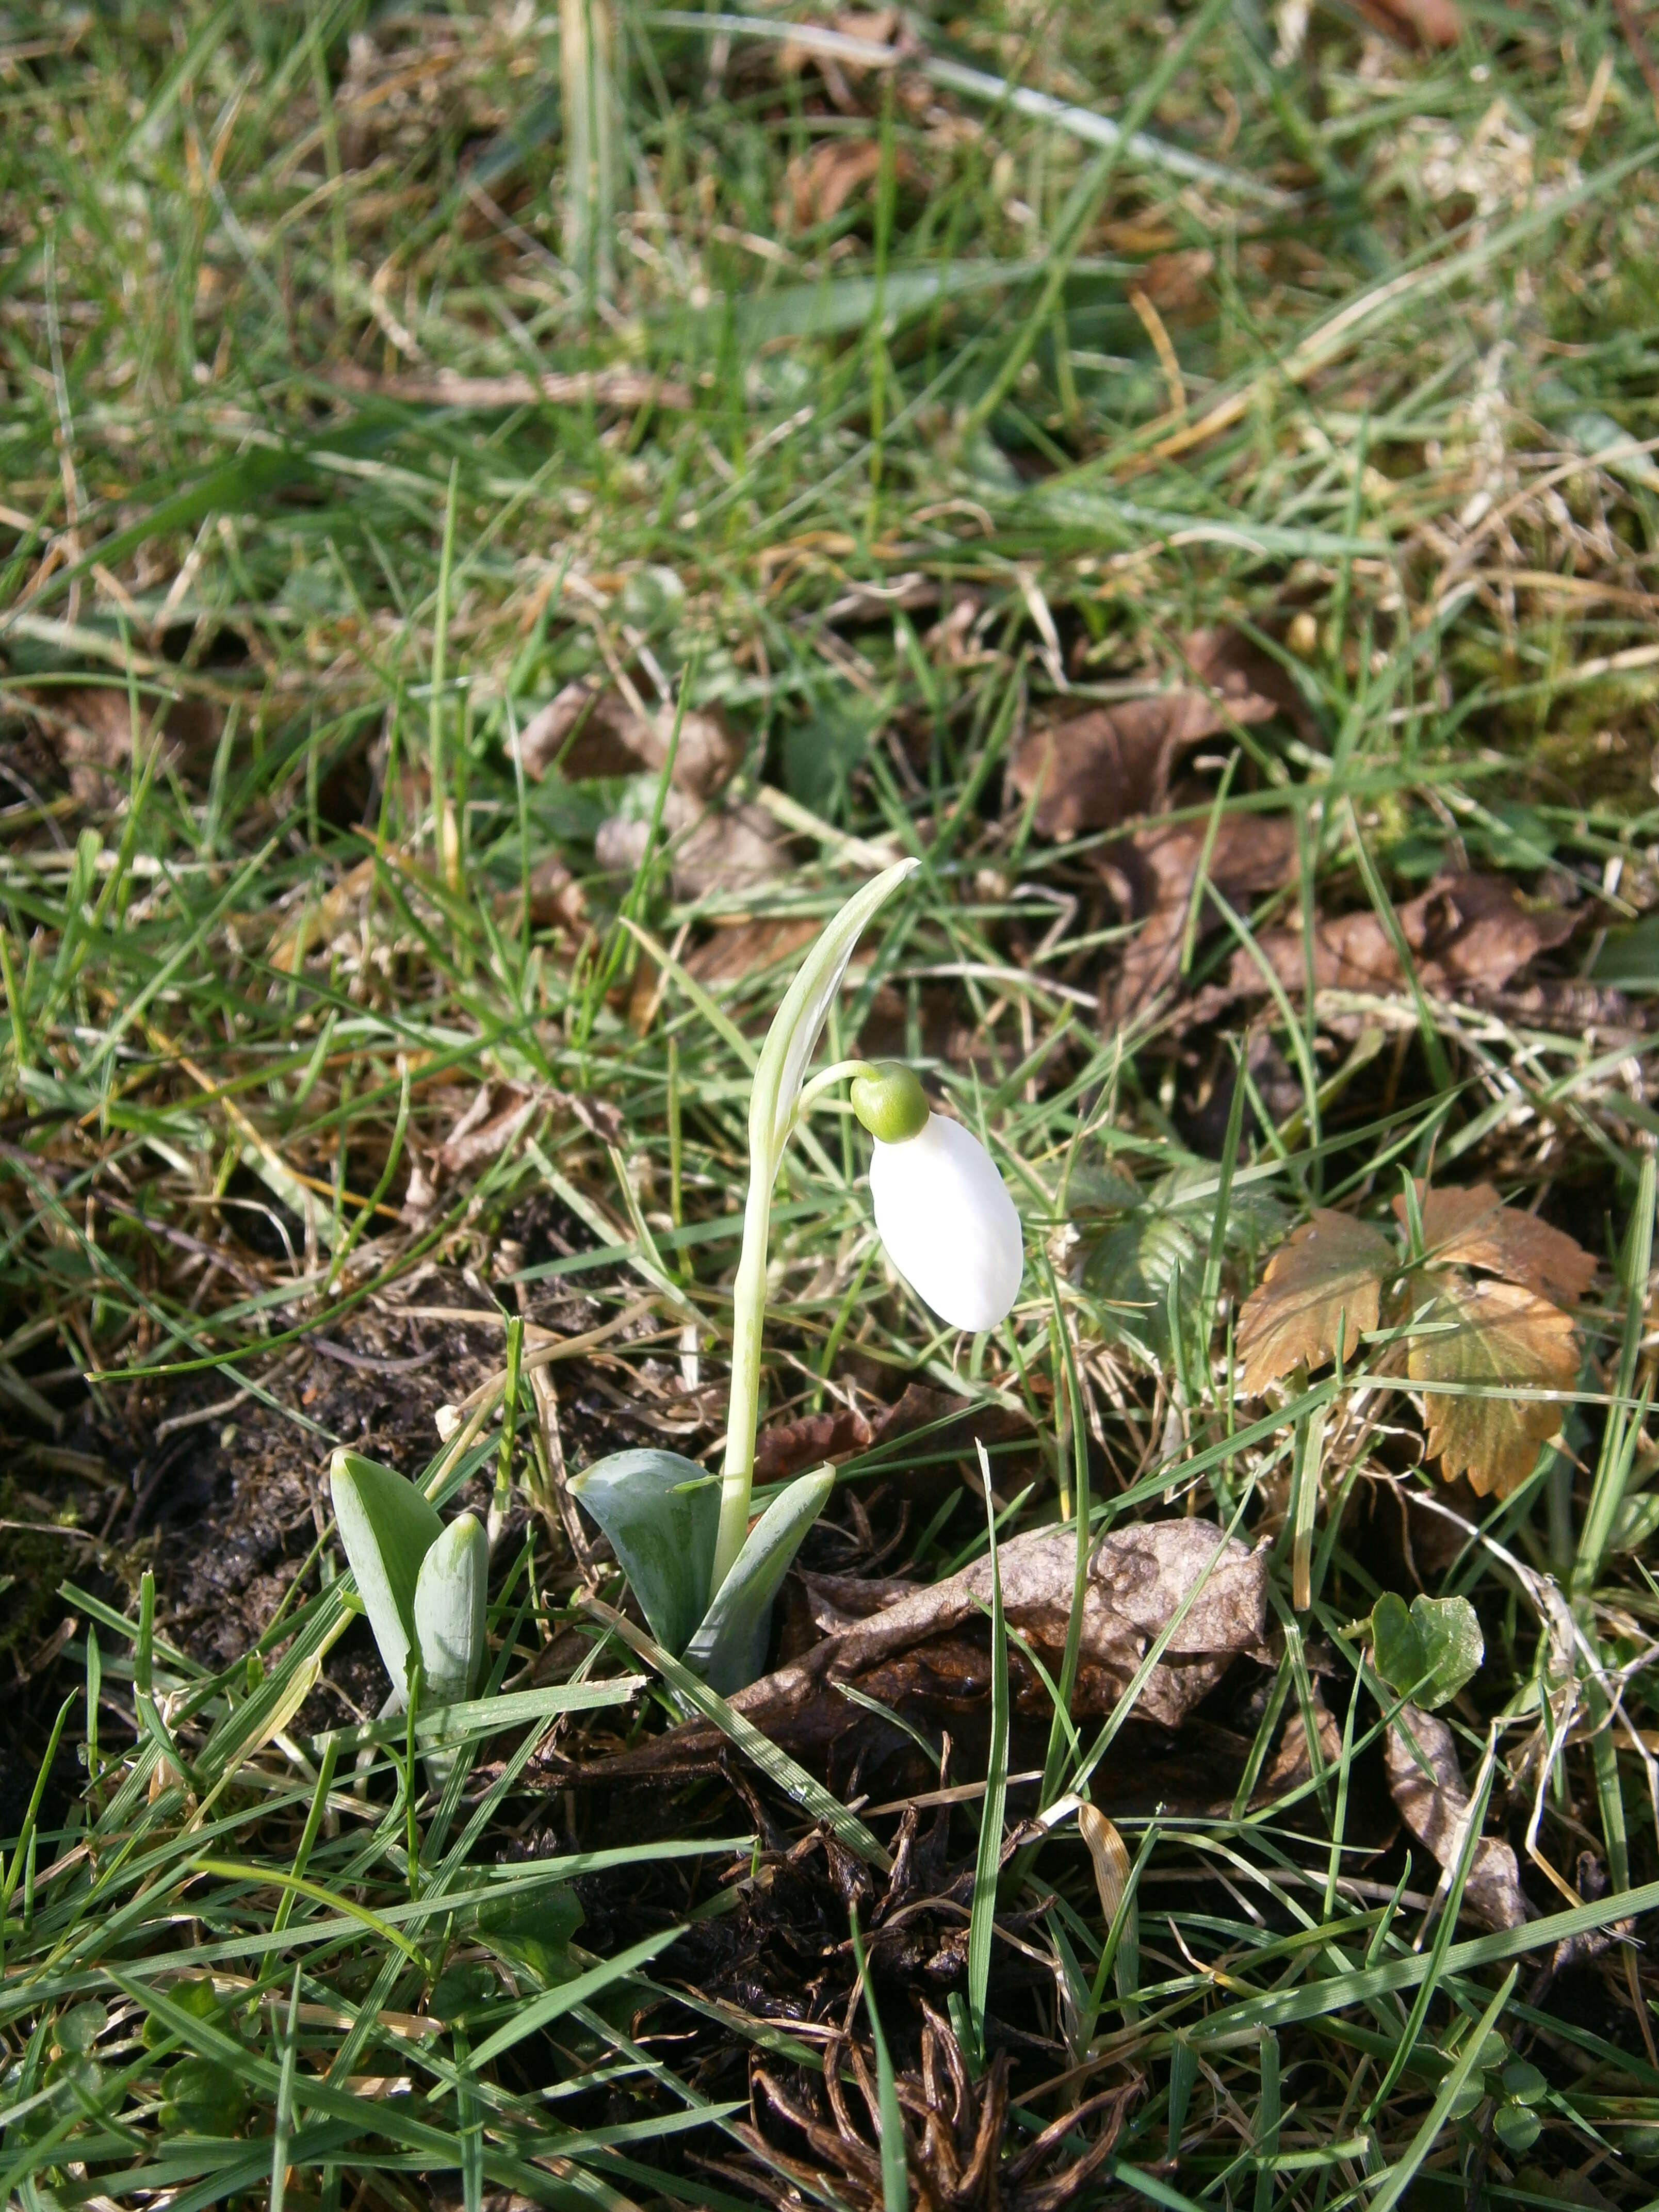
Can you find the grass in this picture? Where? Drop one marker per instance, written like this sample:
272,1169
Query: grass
345,422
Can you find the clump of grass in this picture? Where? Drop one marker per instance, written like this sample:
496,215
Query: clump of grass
334,447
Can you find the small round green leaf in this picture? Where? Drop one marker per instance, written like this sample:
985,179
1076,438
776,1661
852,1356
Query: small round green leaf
1428,1653
1517,2127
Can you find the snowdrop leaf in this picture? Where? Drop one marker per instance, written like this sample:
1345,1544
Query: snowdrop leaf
793,1036
387,1528
729,1649
451,1599
1428,1652
661,1514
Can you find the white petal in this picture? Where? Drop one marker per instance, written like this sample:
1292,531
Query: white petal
948,1224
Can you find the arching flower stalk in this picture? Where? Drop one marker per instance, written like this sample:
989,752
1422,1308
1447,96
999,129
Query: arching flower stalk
704,1578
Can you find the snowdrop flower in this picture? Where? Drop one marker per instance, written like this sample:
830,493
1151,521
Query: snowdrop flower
943,1211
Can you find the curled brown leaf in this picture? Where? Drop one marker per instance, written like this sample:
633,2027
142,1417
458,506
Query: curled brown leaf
1427,1783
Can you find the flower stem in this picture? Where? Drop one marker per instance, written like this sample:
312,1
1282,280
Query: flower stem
743,1414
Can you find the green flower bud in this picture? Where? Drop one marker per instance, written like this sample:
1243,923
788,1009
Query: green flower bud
890,1102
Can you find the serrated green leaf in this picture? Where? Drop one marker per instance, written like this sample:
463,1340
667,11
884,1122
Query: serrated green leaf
1133,1268
661,1513
534,1933
452,1601
1428,1652
387,1528
729,1648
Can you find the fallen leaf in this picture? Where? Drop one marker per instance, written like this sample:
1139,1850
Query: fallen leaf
1293,1761
726,847
1479,932
557,900
1474,1228
591,730
818,184
483,1131
1434,1804
745,943
1417,22
1099,769
1151,872
1138,1578
788,1446
89,727
1501,1338
924,1655
1467,932
1323,1288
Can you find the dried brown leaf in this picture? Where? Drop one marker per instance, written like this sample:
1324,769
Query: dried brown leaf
1466,933
1099,769
786,1447
1474,1228
1427,1784
724,847
1417,22
740,946
1323,1288
926,1653
592,730
1500,1338
1152,874
818,184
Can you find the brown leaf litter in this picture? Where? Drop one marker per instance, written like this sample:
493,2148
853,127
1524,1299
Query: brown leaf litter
1152,875
1432,23
1427,1783
818,186
1099,769
1466,934
594,729
916,1650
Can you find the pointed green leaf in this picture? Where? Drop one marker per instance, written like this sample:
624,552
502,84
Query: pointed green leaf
729,1649
1428,1653
452,1599
660,1512
387,1528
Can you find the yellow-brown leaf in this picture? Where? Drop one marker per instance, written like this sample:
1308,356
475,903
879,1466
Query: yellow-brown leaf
1321,1288
1475,1229
1502,1338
